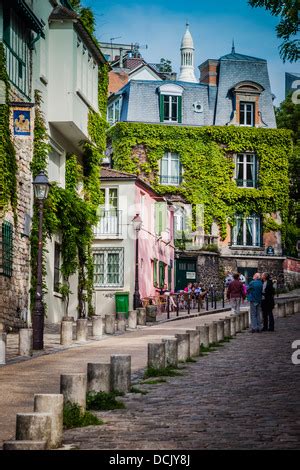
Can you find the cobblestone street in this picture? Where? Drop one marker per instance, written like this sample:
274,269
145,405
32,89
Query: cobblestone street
243,396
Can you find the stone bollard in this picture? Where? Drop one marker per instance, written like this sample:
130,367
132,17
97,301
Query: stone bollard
183,346
82,329
213,332
110,324
53,404
141,316
220,330
232,325
171,352
289,308
156,355
194,342
98,377
34,427
281,310
121,323
24,445
237,323
204,335
247,317
227,332
151,313
242,320
97,326
297,306
132,319
25,341
120,373
73,387
66,332
3,337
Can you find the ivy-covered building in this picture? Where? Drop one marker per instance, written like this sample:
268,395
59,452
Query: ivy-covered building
52,100
211,143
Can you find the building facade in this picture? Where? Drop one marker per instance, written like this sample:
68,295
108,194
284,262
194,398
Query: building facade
114,248
48,53
215,143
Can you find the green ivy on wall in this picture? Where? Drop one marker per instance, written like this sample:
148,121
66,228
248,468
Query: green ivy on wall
67,212
8,164
207,157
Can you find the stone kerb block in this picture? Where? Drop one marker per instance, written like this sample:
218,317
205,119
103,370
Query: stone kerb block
82,329
297,306
120,372
220,330
204,335
227,331
3,348
98,377
121,324
97,326
281,310
194,342
156,355
132,319
237,323
183,346
66,332
73,387
25,341
110,324
53,404
141,316
232,325
24,445
213,332
289,307
171,352
34,427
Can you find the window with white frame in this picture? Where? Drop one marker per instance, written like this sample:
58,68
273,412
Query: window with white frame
170,169
109,216
87,74
247,117
114,111
170,103
56,166
246,170
247,231
109,267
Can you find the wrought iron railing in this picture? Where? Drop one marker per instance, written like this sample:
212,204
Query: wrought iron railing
172,180
109,223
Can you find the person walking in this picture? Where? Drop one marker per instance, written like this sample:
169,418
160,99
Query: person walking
267,303
235,293
255,297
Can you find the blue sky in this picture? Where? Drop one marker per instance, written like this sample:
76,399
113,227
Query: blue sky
213,23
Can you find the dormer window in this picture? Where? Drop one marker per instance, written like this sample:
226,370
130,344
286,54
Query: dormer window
170,103
114,111
246,98
247,114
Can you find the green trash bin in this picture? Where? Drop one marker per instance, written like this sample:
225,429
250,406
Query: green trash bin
122,303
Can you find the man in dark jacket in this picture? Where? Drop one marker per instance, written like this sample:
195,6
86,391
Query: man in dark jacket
267,303
235,293
254,292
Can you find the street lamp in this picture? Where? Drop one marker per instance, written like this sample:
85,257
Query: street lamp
41,188
137,225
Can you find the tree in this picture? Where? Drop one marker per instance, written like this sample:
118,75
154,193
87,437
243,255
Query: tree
288,117
288,27
165,66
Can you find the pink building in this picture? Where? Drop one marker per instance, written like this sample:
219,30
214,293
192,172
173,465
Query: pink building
114,247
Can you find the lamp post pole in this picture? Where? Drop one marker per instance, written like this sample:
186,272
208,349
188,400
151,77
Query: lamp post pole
41,189
137,224
38,313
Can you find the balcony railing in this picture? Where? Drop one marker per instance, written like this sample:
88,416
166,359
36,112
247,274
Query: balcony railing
109,223
171,180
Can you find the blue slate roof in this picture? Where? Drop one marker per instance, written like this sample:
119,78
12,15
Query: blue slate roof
140,101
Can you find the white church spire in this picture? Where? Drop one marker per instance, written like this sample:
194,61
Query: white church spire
187,70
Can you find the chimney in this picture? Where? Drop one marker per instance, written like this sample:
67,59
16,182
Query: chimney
209,72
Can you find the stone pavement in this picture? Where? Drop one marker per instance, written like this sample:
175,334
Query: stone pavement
244,396
21,380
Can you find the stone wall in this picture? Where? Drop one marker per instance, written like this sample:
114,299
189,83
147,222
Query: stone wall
209,270
291,270
272,265
14,291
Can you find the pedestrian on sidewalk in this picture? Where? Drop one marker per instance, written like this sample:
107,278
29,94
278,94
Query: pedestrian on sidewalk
235,293
267,303
255,297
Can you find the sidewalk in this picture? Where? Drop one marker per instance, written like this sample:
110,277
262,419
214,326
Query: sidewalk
20,381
